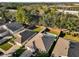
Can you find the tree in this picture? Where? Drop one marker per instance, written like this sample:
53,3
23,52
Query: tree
21,15
48,17
5,14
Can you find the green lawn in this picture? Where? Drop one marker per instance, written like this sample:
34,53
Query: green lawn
70,37
56,33
5,46
38,29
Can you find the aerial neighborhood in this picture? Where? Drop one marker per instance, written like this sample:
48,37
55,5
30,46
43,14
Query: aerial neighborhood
39,30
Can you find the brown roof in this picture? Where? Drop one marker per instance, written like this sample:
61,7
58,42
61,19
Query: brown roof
61,47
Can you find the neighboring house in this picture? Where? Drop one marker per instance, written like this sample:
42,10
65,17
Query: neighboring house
61,48
24,36
4,34
48,40
14,27
8,30
66,48
41,41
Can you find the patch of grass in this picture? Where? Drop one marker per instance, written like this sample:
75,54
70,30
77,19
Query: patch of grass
5,46
70,37
38,29
54,32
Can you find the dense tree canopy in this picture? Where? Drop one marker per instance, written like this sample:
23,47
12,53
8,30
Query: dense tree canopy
20,15
46,15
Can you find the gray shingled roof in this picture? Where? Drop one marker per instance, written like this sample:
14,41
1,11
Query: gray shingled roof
3,37
48,41
14,26
26,35
3,34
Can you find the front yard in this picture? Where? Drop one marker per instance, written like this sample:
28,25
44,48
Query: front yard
72,38
5,46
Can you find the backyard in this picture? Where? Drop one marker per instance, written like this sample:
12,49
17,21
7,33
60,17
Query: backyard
72,38
5,46
55,31
67,36
38,29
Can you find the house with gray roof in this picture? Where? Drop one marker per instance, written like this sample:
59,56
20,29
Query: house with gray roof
4,35
41,41
24,36
48,40
14,27
8,30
